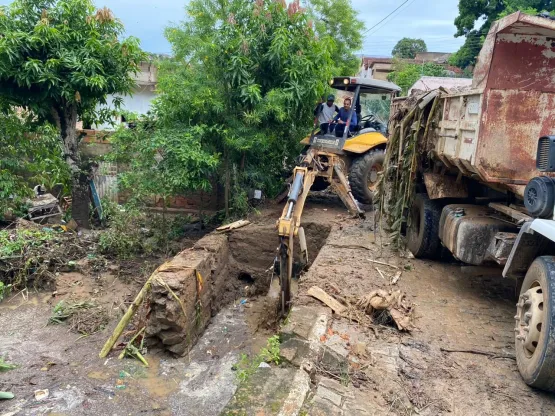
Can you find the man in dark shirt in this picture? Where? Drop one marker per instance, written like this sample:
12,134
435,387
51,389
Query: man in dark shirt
343,117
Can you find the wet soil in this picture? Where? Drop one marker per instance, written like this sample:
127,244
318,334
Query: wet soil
456,308
80,383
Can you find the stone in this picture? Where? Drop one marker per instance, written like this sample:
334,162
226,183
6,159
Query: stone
336,387
295,351
323,407
332,361
330,395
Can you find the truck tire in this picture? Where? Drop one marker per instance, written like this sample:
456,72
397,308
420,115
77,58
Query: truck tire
535,325
423,227
364,175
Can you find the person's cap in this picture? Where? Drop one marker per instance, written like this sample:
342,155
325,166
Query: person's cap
331,97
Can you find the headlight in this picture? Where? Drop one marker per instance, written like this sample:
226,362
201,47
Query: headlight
346,81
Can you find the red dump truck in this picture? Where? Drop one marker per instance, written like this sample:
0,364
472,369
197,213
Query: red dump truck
473,172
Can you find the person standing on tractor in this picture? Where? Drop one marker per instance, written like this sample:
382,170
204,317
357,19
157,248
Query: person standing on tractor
325,113
342,118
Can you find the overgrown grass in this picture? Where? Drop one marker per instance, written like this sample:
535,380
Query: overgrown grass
14,243
271,354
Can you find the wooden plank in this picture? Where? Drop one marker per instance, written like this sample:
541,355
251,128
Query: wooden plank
323,297
511,212
233,225
519,208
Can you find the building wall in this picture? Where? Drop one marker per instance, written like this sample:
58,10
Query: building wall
140,102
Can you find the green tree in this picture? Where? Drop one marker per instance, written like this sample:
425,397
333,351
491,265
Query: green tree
336,19
31,155
471,12
60,59
407,48
405,75
162,161
249,73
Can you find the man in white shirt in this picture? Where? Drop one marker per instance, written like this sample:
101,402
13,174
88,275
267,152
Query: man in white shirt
326,113
365,72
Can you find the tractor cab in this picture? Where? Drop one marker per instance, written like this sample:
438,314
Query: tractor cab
371,101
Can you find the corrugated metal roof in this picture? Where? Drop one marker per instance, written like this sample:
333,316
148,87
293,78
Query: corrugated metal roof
432,83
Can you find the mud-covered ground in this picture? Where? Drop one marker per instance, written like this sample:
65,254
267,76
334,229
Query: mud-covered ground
456,308
80,383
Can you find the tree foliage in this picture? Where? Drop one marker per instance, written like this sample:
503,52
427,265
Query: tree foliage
31,155
244,81
336,19
472,12
407,48
162,161
60,59
405,75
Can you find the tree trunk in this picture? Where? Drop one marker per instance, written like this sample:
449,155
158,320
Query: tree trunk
65,117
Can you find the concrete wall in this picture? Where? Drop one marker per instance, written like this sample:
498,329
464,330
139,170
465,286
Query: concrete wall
140,102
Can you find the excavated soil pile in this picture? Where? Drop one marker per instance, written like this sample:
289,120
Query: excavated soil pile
218,270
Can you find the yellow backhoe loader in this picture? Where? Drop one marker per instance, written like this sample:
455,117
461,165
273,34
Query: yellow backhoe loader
350,164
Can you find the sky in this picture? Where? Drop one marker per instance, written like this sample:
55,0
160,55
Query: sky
431,20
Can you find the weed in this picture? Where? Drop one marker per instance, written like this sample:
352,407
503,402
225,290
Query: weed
4,366
5,290
83,317
13,244
125,236
270,354
246,367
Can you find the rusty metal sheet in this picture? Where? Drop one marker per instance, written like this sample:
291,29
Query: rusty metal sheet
443,186
494,131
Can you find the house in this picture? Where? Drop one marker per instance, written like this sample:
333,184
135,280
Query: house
140,101
433,83
380,68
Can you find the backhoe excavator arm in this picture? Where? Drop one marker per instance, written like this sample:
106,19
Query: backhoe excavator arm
289,224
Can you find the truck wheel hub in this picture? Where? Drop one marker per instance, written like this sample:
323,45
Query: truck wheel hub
529,319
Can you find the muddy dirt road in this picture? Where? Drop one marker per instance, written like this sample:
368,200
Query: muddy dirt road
456,309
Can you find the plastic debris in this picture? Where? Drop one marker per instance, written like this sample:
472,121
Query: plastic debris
41,394
6,395
264,365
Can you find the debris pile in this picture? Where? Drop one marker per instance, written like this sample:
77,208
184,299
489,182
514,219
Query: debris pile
384,307
413,126
31,254
84,318
377,307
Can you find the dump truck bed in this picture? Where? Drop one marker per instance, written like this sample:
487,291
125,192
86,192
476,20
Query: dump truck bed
490,132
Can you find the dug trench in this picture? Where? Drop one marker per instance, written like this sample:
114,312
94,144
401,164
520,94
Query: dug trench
218,272
211,307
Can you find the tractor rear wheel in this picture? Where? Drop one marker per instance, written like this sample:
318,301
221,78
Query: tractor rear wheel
364,175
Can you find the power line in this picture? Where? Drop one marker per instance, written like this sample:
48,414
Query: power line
392,14
401,5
